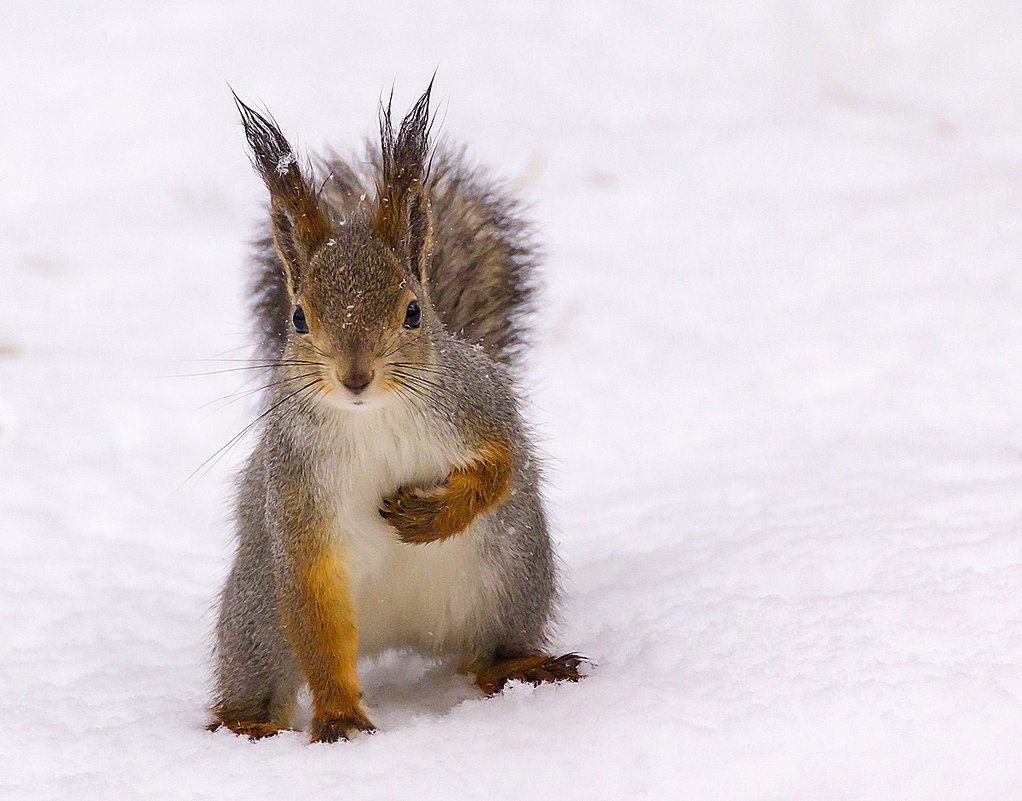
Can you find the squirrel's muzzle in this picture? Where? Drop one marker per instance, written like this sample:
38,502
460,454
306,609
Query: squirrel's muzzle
356,382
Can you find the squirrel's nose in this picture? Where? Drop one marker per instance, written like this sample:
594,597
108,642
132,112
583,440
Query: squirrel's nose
355,383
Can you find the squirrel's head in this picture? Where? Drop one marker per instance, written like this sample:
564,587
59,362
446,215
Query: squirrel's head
361,321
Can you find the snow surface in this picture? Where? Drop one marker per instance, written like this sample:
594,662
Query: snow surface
779,382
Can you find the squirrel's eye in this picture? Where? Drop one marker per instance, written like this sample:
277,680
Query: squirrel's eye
298,318
413,316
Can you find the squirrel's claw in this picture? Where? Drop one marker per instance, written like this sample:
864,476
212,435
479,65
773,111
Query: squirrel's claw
532,669
413,513
330,730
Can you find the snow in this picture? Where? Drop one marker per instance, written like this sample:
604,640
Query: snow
778,381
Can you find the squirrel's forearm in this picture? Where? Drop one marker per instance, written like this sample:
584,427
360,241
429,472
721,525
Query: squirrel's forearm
474,489
422,516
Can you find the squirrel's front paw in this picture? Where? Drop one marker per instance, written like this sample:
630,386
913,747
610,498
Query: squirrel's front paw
345,727
416,514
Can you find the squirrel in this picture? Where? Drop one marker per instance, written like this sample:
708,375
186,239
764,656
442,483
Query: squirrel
393,497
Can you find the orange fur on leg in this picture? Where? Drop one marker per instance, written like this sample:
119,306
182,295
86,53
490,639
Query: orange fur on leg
320,625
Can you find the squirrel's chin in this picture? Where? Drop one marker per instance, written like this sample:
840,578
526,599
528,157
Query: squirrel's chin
342,400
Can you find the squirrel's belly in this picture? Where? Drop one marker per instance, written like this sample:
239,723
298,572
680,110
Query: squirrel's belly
436,597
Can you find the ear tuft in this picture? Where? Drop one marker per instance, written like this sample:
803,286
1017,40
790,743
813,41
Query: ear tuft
299,225
403,218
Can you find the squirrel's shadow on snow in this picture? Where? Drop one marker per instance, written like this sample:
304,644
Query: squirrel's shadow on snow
399,686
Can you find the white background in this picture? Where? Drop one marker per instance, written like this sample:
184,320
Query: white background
779,384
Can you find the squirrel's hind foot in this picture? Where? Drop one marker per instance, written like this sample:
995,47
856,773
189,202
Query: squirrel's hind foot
533,669
253,729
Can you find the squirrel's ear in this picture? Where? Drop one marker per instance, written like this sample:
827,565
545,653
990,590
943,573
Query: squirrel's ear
403,217
420,231
300,227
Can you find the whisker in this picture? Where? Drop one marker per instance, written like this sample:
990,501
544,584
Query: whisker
434,394
435,381
318,351
213,460
405,394
424,368
252,361
251,367
307,402
236,396
402,346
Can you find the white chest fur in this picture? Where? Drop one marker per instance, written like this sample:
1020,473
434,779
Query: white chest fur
424,596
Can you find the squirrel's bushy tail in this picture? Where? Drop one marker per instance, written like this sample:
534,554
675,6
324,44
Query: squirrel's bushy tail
482,273
483,278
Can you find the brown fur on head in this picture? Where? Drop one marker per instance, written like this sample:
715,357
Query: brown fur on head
354,281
